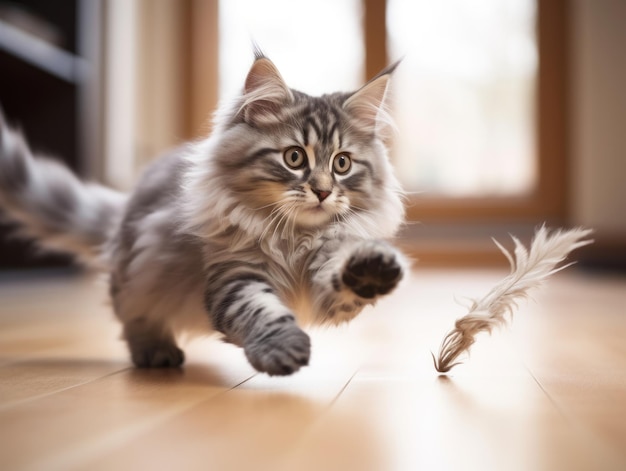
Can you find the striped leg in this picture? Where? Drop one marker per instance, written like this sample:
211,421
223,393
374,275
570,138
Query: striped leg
250,314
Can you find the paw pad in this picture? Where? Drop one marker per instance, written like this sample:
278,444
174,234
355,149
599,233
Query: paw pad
372,274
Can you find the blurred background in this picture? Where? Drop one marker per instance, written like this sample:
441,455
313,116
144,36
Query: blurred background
510,113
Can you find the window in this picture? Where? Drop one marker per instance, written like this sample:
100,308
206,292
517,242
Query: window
317,46
465,96
456,226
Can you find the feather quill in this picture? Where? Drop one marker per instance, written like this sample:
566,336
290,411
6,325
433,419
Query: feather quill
529,268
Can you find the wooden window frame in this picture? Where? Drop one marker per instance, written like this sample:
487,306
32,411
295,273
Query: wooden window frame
497,215
547,203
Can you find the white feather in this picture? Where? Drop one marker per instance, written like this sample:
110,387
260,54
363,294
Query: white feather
529,268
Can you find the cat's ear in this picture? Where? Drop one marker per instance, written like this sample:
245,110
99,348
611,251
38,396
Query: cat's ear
265,93
368,104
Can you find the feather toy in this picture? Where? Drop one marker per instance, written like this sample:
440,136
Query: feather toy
529,268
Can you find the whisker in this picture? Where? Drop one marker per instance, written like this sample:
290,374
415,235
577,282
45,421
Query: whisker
276,212
284,210
355,221
265,206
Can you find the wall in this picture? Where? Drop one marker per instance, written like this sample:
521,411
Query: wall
598,116
160,91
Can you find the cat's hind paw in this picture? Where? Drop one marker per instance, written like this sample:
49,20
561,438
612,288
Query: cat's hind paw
372,270
162,355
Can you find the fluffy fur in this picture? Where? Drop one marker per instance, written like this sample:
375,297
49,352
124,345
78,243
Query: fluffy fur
278,219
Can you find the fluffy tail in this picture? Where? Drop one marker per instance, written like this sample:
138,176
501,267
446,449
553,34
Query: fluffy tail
51,205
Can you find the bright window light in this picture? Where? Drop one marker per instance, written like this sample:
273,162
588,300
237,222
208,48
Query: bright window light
465,96
317,46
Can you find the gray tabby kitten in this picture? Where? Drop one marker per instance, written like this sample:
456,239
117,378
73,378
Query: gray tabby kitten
281,214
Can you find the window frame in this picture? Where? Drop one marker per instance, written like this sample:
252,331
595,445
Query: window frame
547,203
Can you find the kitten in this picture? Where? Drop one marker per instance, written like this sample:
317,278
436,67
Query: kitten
281,214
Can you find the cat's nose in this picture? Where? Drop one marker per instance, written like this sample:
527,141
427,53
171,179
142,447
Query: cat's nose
321,194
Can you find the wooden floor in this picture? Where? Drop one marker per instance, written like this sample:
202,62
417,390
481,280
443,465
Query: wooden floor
547,394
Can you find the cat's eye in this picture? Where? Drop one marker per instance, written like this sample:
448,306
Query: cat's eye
295,157
342,163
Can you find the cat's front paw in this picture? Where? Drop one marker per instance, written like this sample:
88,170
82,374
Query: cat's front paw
279,351
372,270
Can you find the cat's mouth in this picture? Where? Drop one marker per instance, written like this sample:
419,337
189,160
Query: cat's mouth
317,208
315,215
